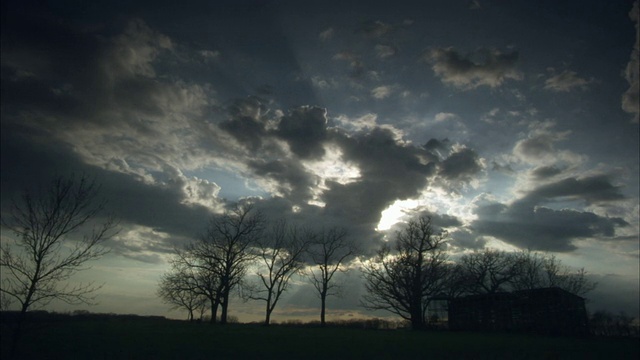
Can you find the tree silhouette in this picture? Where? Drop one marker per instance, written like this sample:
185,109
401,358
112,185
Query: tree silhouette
402,281
178,288
225,250
539,270
38,262
201,273
328,252
490,271
281,252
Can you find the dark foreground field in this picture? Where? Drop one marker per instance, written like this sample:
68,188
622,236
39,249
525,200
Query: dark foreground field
131,338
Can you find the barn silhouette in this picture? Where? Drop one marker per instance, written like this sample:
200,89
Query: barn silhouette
551,311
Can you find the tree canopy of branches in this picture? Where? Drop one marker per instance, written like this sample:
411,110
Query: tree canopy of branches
217,262
281,252
539,270
403,279
180,289
328,252
42,258
492,271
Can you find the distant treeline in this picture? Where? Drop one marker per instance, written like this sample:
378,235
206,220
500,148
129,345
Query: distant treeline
602,322
36,316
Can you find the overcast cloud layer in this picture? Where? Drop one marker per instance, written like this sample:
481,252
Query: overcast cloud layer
513,125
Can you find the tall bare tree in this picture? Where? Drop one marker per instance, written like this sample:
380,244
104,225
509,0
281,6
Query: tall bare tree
281,252
179,289
227,244
540,270
490,271
37,264
329,252
201,272
403,279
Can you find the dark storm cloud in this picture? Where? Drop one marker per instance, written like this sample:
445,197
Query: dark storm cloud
488,67
592,189
130,200
527,223
100,93
389,171
289,176
631,97
68,72
544,172
436,147
78,100
246,124
305,130
461,165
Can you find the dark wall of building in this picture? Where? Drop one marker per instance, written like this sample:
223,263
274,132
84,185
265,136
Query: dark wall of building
547,310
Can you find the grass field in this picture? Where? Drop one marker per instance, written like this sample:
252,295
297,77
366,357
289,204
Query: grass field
122,338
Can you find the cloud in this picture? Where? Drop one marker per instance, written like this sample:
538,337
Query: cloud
304,129
362,123
592,189
327,34
376,28
544,172
209,55
437,147
355,63
385,51
246,123
381,92
540,146
566,81
285,177
488,67
461,165
444,116
631,97
135,49
528,223
388,171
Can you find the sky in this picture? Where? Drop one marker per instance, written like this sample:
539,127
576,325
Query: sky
514,125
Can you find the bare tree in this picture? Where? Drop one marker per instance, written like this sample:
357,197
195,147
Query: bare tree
403,279
228,240
539,270
178,288
281,252
490,271
202,272
330,250
40,261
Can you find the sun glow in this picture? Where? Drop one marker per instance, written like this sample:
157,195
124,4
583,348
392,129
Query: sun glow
332,167
432,200
395,212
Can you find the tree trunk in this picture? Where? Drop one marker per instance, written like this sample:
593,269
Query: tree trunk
214,312
225,305
17,330
417,320
323,300
267,319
